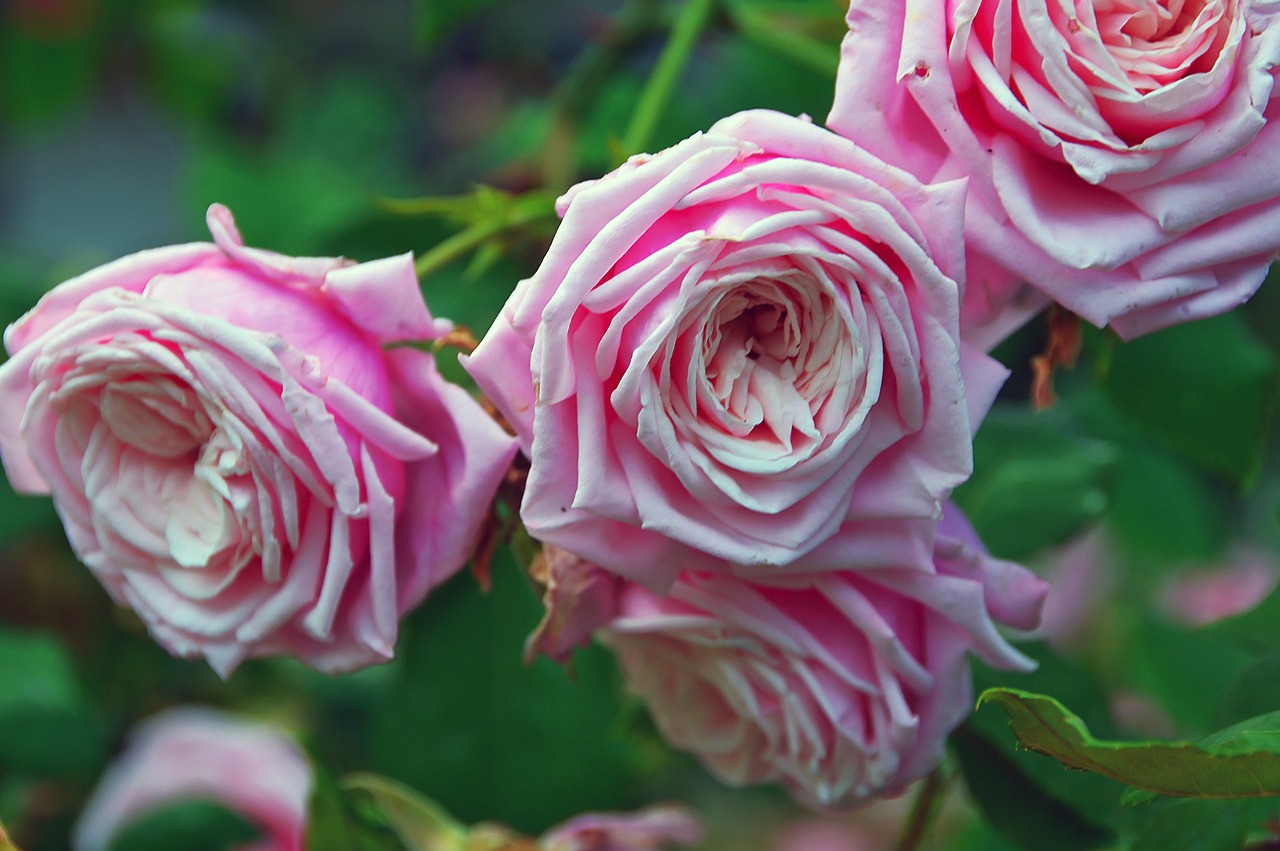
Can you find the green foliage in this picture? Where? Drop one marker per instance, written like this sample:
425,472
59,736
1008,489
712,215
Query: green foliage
337,822
1197,825
419,822
1163,509
1255,691
1257,629
47,727
22,515
194,825
1241,761
1037,480
1018,806
489,738
486,217
1025,796
1187,671
1205,389
806,32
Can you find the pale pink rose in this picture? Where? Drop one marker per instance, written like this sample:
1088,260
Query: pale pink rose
842,685
736,346
192,753
1206,596
240,453
1120,154
650,829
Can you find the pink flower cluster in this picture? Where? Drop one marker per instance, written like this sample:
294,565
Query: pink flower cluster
746,375
739,379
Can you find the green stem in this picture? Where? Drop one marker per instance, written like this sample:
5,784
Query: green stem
526,210
922,808
585,76
457,246
798,48
662,82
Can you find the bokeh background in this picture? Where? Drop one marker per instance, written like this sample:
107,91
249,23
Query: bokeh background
121,120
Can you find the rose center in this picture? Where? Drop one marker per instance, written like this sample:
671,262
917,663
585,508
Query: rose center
1157,42
158,414
167,485
765,351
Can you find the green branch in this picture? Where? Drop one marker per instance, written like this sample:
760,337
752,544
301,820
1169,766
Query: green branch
662,82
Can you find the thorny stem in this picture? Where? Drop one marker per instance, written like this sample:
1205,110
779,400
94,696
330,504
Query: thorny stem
926,801
662,82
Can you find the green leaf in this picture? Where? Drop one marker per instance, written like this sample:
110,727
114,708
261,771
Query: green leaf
1095,799
1037,481
46,725
22,515
421,824
1187,671
335,823
1197,825
1254,692
1257,630
1028,796
1015,804
1205,389
1164,511
490,738
195,825
1239,762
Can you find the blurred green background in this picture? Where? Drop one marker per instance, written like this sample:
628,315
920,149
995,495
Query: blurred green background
121,121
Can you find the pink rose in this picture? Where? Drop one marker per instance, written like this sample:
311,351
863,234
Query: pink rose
1119,153
194,753
736,346
1206,596
237,455
650,829
843,685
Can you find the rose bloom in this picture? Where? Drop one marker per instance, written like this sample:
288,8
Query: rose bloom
194,753
842,685
236,454
735,346
1120,154
650,829
1210,594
